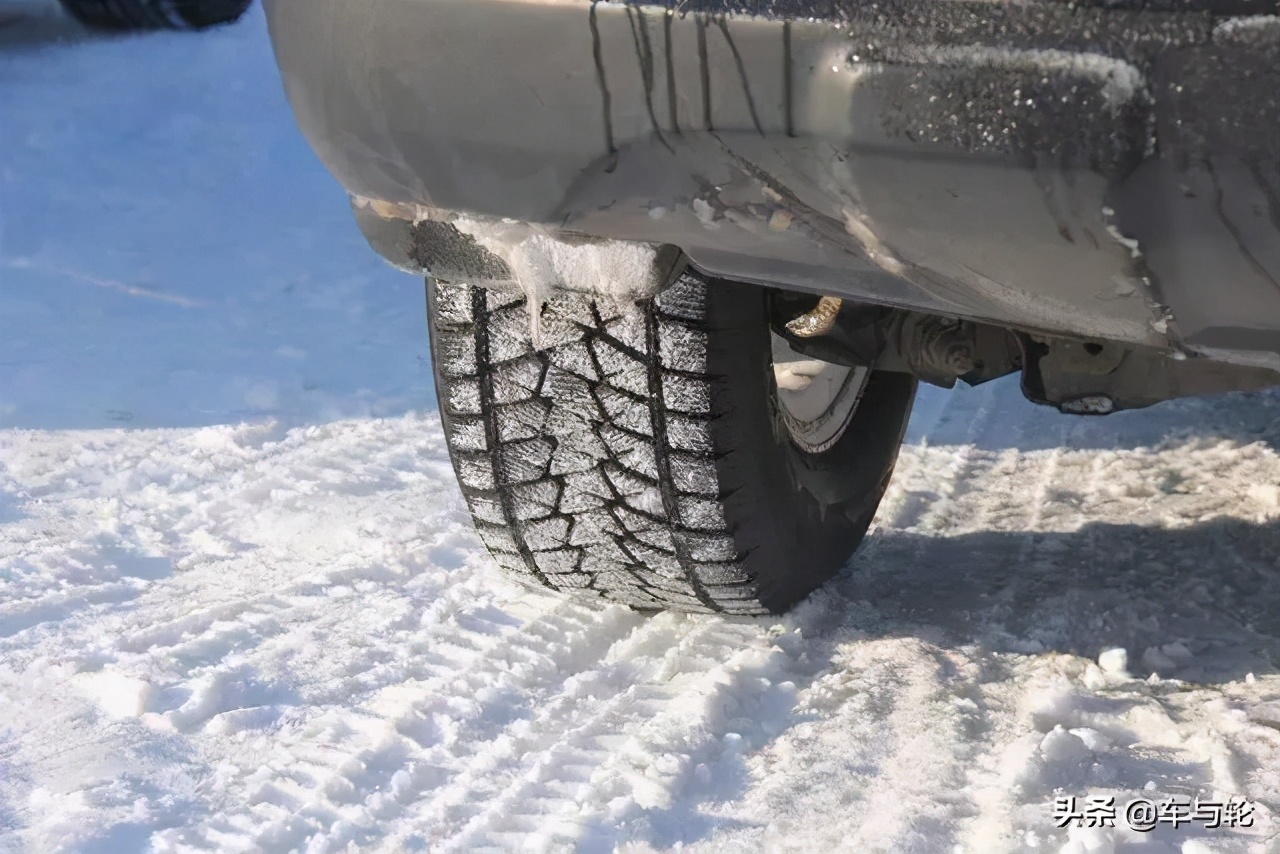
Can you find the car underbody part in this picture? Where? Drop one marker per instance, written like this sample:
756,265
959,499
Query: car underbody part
819,320
643,452
937,350
1100,377
1077,376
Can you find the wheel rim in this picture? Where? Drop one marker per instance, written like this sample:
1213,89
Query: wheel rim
817,399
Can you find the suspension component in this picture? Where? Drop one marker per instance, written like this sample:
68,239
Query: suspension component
938,350
819,321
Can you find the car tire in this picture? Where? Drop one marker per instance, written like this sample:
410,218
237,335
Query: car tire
637,451
155,14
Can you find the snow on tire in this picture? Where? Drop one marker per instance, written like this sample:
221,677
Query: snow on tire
637,452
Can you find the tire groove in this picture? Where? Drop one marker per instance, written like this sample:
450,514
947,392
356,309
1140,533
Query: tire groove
662,458
480,311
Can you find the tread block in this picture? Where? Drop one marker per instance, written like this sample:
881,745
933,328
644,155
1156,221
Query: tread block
572,400
464,397
688,434
629,484
585,490
629,375
657,537
558,561
571,580
657,561
516,381
574,358
642,460
694,475
686,299
468,433
592,528
709,547
546,534
508,341
456,352
610,574
682,600
625,411
618,442
681,348
487,510
497,538
453,305
535,500
527,460
731,593
615,353
527,420
628,328
475,472
744,608
686,395
634,523
705,514
613,550
572,458
495,300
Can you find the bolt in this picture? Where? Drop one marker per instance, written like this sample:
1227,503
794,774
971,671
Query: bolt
959,358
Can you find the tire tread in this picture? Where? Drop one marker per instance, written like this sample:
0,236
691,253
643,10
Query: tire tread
599,507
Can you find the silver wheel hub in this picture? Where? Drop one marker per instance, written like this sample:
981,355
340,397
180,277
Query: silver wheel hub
817,399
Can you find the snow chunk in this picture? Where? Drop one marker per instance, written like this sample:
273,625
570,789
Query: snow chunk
1059,745
116,694
541,262
706,213
1266,495
1092,739
1114,661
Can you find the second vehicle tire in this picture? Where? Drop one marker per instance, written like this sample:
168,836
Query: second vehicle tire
155,14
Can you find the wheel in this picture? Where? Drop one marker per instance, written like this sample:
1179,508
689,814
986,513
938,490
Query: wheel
644,453
155,14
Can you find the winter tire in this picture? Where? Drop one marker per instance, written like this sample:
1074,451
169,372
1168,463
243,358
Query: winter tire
155,14
639,452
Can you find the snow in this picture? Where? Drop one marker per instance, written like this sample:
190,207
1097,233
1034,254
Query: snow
242,607
540,262
1121,81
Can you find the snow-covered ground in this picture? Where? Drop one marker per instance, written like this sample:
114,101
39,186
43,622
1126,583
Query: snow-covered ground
242,608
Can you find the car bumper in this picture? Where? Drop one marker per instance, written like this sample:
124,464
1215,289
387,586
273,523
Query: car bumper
1104,172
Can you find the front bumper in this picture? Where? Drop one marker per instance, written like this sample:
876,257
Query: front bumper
1104,172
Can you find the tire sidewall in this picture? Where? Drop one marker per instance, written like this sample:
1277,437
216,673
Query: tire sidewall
797,517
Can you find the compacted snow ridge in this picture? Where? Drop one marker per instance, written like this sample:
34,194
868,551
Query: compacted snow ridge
243,609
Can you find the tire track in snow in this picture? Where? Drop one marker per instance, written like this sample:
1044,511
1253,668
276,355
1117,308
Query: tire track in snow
575,734
920,496
360,678
471,700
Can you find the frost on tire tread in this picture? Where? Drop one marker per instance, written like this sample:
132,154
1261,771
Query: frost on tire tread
588,463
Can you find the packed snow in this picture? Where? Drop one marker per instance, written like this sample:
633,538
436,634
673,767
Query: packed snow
242,607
